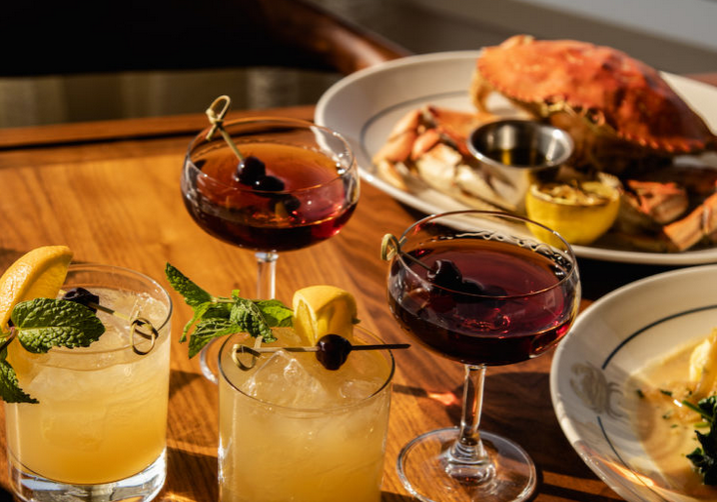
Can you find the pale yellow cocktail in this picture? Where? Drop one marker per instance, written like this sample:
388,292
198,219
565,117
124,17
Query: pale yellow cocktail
292,430
102,411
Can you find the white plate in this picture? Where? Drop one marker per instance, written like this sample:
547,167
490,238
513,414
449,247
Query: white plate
617,335
365,106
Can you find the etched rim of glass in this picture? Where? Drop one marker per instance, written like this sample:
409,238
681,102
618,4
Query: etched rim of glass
228,343
502,235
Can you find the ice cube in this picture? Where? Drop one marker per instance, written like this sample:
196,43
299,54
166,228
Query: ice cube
286,380
356,390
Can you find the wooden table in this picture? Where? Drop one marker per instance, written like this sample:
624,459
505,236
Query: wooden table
110,191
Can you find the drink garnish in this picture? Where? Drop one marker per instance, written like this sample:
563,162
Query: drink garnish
323,309
216,113
390,245
443,273
251,170
332,350
92,302
216,316
30,314
39,325
83,297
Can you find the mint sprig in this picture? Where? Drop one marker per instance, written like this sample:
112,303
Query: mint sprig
41,324
218,316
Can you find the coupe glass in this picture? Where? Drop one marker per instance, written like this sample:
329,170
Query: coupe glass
302,189
490,289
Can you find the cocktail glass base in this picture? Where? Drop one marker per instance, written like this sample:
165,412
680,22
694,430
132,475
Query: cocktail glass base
423,468
141,487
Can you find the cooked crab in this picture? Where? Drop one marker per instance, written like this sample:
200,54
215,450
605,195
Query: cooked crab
619,111
429,146
624,118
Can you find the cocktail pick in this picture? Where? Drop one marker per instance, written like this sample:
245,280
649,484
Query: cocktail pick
90,300
390,246
134,328
216,113
135,325
331,351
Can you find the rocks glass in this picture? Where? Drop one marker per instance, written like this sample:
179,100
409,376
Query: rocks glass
98,432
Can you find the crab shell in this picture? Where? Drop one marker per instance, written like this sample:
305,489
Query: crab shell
613,105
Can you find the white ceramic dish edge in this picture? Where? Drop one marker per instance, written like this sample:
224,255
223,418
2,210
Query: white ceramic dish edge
362,97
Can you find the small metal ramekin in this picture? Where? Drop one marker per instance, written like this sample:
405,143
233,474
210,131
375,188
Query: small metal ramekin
552,146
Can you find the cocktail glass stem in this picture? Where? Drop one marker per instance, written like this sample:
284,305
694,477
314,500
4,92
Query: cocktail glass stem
266,275
462,464
467,459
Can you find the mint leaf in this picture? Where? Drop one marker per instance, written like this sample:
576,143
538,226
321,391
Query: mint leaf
207,310
276,313
44,323
10,390
208,330
193,294
248,318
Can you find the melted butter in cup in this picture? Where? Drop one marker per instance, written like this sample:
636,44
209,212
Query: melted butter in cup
518,153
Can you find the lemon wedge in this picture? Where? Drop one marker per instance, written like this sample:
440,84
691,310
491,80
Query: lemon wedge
320,310
580,214
39,273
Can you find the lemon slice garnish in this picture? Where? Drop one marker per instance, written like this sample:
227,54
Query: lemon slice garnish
39,273
320,310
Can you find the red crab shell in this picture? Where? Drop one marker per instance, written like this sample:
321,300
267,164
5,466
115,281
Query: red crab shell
621,104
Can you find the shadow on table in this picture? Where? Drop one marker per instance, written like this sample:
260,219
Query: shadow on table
189,474
181,379
518,406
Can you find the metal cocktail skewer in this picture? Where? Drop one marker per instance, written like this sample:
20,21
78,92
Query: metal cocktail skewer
315,348
256,352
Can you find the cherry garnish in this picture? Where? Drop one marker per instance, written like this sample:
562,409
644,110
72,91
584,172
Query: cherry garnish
333,351
83,297
250,170
445,273
291,203
454,289
269,184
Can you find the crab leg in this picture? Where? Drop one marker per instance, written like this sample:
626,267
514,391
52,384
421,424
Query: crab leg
701,222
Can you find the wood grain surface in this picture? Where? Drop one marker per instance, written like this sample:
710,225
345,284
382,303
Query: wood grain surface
111,192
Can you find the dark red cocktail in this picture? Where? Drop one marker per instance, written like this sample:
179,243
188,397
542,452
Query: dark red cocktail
283,185
477,326
308,203
479,288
